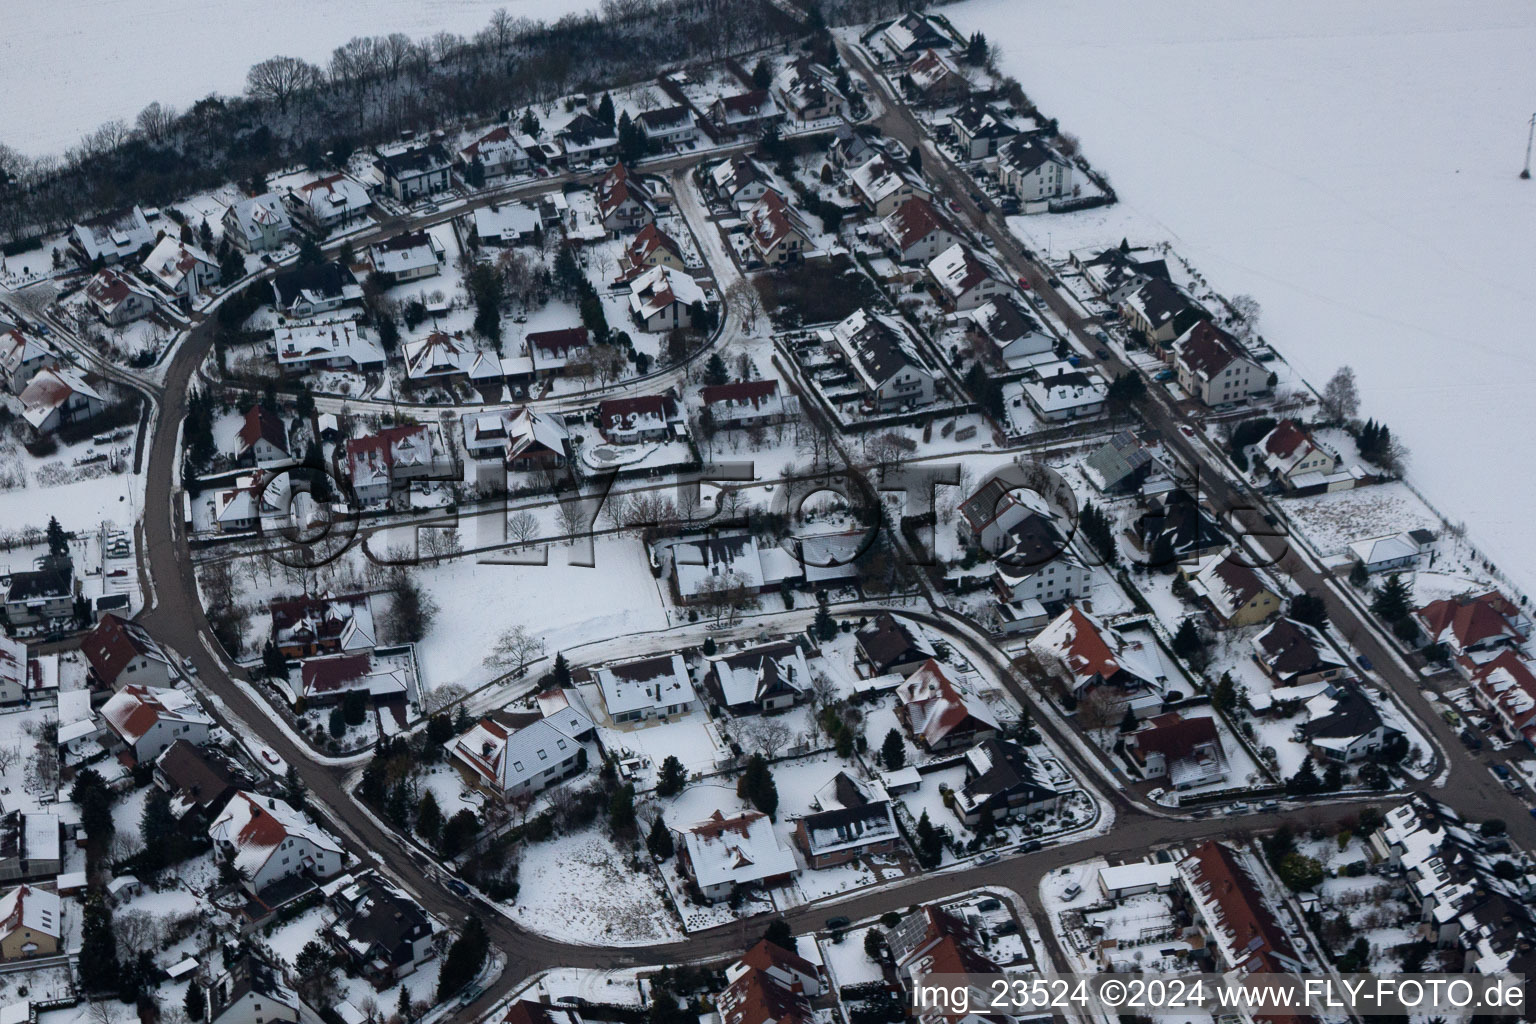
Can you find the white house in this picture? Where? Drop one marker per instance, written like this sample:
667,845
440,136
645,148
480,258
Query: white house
517,755
724,854
1011,336
624,203
1032,171
258,223
181,269
1039,565
739,181
1343,725
149,719
966,278
1058,392
744,403
1214,368
118,298
778,232
882,184
252,992
883,355
394,456
112,237
916,231
337,345
262,440
408,257
650,688
59,397
661,299
498,153
1290,452
414,172
313,289
505,223
807,91
22,356
668,128
328,202
122,652
265,840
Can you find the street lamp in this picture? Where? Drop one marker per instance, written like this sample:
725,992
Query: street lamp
1526,174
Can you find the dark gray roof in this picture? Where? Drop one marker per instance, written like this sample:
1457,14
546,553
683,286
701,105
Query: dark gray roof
417,160
1180,524
1010,773
327,279
31,584
1352,715
1122,456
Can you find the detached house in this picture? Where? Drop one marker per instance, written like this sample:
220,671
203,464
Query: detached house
183,270
414,172
149,719
1008,336
262,440
1185,751
1031,171
265,841
807,91
585,139
390,459
965,278
525,438
382,932
651,247
1289,452
23,356
980,129
1294,654
111,237
408,257
258,223
624,203
117,298
1090,657
122,652
1505,687
198,780
252,992
779,233
852,819
889,646
1005,780
661,299
31,923
916,231
305,626
744,404
991,514
59,397
1176,528
552,351
910,34
314,289
722,855
498,153
38,596
768,677
1474,626
1344,726
882,185
329,345
511,755
937,715
1214,368
657,687
668,128
1160,310
745,113
882,354
1235,593
1039,566
738,181
1121,466
506,223
639,418
328,202
935,80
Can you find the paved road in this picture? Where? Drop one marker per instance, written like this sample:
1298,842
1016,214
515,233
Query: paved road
175,615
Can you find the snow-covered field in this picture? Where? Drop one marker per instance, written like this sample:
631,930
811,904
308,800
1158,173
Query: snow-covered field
67,67
1350,165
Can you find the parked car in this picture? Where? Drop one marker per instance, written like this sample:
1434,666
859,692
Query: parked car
1470,740
1006,928
989,904
1498,769
1365,662
1102,353
1031,845
838,923
457,887
1024,283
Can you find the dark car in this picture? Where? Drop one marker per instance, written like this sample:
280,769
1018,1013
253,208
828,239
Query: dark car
1499,770
1102,353
457,887
1006,928
1470,739
838,923
1055,282
1365,662
1030,846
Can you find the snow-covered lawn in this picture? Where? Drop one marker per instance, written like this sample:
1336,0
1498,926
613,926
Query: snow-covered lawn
1364,245
581,888
1331,521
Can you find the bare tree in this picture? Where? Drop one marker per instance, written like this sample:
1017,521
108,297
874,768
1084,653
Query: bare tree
1245,316
571,517
745,301
1340,400
770,736
521,526
281,79
1096,713
515,648
10,756
155,122
440,697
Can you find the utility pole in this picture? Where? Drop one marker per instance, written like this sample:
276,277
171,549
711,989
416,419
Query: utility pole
1525,175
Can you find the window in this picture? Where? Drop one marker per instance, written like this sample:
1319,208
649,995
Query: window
560,744
543,755
517,766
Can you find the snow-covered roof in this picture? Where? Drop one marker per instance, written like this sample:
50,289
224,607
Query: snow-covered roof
1227,583
49,389
254,827
1065,389
30,909
1375,550
878,346
646,685
114,235
738,850
256,216
751,675
959,269
299,344
134,710
1093,652
881,177
731,557
1138,874
507,751
172,261
331,196
658,288
500,220
935,705
407,253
